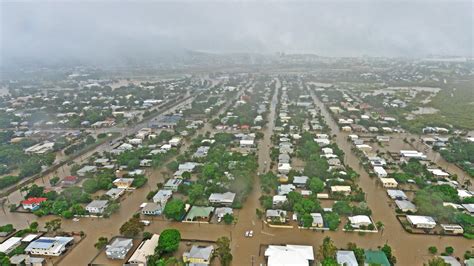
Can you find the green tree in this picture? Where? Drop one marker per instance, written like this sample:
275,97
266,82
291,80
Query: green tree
53,225
307,220
132,227
101,242
332,220
168,241
436,262
433,250
223,250
327,249
174,209
228,218
316,185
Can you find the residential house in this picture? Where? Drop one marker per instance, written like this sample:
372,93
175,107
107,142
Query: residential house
69,181
173,184
97,206
49,246
317,220
119,248
405,206
279,200
276,215
124,183
346,190
198,255
152,208
389,182
396,194
199,214
224,199
115,193
10,244
422,222
144,250
162,196
346,258
300,181
294,255
359,221
380,172
452,229
285,189
284,168
32,203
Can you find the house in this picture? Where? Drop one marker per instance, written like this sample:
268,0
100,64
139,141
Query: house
115,193
247,143
136,172
97,206
221,211
175,141
101,161
40,148
375,257
188,166
438,173
32,203
22,259
285,189
396,194
173,184
284,168
201,152
284,158
405,206
144,250
198,255
380,171
359,221
199,214
152,208
123,182
452,229
422,222
300,181
276,215
162,196
469,207
294,255
409,154
389,182
317,220
86,169
69,181
10,244
49,246
119,248
346,258
146,162
225,199
278,200
346,190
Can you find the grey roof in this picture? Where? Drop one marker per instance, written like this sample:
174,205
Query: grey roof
119,248
97,204
152,207
405,204
222,197
300,179
200,252
346,258
395,193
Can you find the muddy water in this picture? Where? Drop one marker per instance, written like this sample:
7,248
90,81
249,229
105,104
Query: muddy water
410,249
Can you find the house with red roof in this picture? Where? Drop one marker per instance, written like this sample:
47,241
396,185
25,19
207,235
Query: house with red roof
69,180
32,203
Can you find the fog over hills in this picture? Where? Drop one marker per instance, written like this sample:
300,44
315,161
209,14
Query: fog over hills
116,32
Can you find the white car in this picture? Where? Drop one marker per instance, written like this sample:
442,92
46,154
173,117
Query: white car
251,233
145,222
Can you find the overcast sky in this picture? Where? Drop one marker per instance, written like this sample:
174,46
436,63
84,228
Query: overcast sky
104,29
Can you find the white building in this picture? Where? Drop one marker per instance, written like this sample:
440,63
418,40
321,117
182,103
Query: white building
380,171
48,246
144,250
294,255
10,244
423,222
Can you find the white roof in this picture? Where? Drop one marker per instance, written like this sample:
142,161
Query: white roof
418,219
438,172
294,255
9,243
145,249
29,238
340,188
346,258
360,219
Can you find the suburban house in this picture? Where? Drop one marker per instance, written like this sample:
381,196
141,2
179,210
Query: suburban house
199,214
396,194
198,255
152,208
375,257
278,200
389,182
380,171
146,162
225,199
346,190
422,222
359,220
285,189
119,248
10,244
86,169
276,215
144,250
317,220
175,141
69,181
162,196
405,206
346,258
32,203
300,181
294,255
115,193
173,184
49,246
97,206
452,229
123,182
